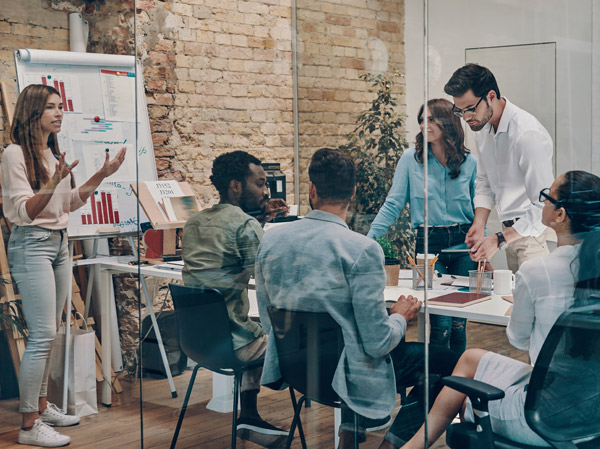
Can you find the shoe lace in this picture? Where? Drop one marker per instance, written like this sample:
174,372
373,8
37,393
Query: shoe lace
47,431
54,408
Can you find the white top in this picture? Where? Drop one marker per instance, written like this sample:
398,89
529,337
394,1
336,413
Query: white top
514,164
544,289
16,190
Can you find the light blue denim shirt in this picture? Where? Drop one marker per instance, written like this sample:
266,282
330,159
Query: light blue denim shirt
450,200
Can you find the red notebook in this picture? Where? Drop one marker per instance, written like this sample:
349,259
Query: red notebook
458,299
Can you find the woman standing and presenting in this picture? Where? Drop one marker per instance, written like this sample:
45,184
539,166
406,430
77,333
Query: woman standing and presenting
38,194
451,187
545,288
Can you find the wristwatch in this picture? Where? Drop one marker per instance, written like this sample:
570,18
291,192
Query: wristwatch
502,243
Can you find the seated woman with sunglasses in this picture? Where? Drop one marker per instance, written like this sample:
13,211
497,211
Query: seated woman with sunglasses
451,176
545,287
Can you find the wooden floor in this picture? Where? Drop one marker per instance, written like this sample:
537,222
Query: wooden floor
119,426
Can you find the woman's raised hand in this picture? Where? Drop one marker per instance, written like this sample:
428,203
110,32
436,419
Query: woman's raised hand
62,169
111,166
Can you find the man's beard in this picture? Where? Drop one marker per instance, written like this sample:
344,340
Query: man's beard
249,204
478,126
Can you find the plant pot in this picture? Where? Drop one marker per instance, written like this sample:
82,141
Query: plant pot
392,271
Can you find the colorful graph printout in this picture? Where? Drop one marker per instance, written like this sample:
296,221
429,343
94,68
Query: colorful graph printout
67,86
118,92
101,208
94,129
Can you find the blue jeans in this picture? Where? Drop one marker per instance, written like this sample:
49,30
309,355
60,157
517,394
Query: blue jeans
39,264
448,331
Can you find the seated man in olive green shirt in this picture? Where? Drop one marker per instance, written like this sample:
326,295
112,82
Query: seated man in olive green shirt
219,248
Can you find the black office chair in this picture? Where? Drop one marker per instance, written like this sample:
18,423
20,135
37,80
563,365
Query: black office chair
563,397
205,337
309,345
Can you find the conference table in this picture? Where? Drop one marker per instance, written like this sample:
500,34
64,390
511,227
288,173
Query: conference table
493,311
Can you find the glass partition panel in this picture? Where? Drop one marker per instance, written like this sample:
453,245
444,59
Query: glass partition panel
67,76
520,78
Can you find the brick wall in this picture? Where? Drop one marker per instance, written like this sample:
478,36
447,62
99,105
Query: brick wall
218,72
336,44
218,75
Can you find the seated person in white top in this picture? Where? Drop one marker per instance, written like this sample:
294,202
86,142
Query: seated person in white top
513,164
545,287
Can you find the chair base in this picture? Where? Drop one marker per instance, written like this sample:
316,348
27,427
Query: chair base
296,421
237,380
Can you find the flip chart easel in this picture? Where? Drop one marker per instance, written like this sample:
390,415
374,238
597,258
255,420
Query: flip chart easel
103,96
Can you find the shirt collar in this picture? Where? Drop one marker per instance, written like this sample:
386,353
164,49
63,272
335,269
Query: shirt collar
507,113
321,215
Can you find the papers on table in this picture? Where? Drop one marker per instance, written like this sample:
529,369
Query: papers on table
176,265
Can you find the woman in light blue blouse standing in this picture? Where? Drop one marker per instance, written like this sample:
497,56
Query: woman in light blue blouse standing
451,187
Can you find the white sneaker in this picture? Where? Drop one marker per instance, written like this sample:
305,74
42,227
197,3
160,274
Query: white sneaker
53,416
42,435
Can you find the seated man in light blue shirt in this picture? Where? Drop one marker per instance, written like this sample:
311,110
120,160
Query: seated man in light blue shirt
319,264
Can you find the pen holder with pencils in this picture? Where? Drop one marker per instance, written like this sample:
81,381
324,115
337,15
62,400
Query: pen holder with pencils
418,276
480,281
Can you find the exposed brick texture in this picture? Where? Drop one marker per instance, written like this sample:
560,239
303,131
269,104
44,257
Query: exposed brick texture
218,73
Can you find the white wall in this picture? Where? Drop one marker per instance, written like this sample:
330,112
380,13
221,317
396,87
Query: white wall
460,24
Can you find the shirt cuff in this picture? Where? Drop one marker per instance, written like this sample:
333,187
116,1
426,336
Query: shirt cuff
526,229
483,201
401,321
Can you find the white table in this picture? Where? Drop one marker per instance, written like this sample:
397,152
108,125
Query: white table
107,269
492,311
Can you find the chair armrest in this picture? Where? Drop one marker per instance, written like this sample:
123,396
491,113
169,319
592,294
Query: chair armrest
480,393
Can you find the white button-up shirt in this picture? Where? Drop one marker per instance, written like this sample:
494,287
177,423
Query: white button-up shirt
514,164
544,289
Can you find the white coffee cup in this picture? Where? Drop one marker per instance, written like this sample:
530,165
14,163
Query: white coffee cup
504,282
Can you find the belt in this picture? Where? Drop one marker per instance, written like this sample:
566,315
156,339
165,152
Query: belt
457,225
509,223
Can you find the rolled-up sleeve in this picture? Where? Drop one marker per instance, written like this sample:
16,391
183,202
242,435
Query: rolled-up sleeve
75,201
394,202
534,152
484,196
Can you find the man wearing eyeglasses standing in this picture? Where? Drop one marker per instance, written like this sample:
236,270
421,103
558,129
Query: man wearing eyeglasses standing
514,164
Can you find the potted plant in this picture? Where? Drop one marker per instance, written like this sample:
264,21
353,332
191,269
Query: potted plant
392,263
375,145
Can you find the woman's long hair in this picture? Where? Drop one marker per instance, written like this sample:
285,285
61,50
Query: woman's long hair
452,134
579,195
26,131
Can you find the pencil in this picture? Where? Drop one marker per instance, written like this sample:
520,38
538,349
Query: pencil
410,259
479,277
412,262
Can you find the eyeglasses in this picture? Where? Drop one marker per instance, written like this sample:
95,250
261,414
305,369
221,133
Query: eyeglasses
544,196
461,112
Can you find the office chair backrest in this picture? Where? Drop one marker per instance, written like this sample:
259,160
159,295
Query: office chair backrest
563,396
309,345
203,326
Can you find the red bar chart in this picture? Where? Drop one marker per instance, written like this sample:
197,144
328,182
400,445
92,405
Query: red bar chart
102,208
63,85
